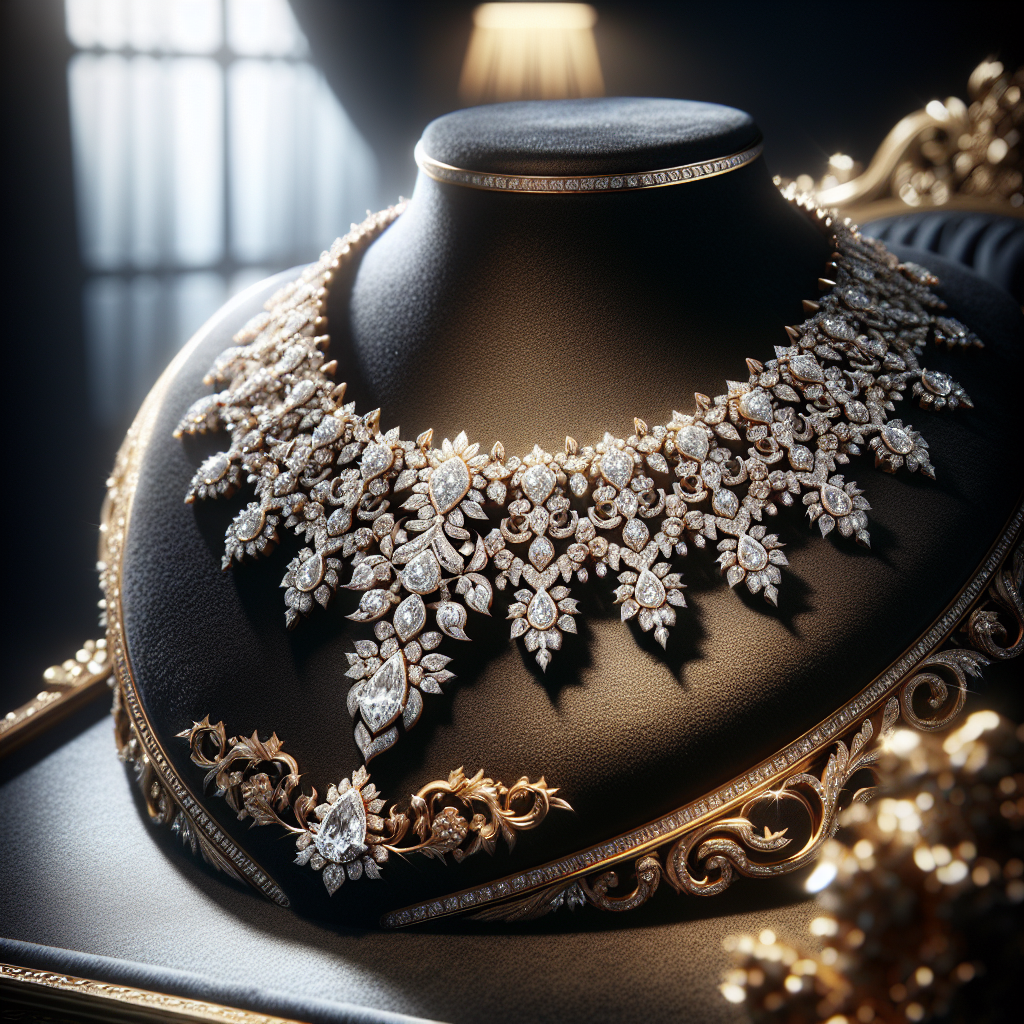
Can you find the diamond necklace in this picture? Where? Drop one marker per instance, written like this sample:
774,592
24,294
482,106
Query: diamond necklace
394,519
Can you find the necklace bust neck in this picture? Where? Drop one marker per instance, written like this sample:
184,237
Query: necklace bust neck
526,317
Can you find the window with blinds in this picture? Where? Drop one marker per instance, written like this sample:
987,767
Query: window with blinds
209,152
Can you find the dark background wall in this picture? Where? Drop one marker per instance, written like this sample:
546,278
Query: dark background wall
817,79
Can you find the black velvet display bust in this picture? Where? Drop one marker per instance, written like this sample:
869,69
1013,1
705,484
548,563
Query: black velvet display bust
524,318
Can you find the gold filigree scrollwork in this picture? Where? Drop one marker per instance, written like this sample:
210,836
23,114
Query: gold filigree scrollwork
949,154
579,892
345,836
66,687
956,662
705,862
985,629
648,878
705,858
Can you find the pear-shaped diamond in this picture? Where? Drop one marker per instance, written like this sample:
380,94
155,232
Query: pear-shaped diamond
376,459
616,467
649,591
636,534
249,523
410,617
310,573
339,521
382,696
807,368
541,612
725,503
342,833
756,405
692,441
751,554
214,468
541,552
937,383
836,501
449,484
800,457
538,483
423,574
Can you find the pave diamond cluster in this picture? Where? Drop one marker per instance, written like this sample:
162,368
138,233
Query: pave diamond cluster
394,519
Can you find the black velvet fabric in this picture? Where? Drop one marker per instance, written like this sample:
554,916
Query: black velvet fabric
991,244
592,136
524,318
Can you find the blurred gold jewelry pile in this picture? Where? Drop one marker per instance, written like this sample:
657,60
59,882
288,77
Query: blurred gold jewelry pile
920,894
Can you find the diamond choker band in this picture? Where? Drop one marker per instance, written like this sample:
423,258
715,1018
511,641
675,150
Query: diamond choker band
496,182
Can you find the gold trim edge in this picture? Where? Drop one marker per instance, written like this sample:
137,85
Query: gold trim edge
168,800
66,688
549,886
134,1000
576,184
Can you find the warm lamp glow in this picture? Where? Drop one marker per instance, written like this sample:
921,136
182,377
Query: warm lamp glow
521,51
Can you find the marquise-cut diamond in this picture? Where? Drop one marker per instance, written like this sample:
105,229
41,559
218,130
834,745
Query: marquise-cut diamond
382,696
410,617
538,483
836,501
649,591
541,612
898,441
616,467
342,834
751,554
449,484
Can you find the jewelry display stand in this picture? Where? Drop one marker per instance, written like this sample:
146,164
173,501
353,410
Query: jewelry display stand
522,318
